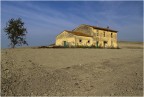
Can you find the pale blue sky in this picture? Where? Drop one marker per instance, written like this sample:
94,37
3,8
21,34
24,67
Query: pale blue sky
45,19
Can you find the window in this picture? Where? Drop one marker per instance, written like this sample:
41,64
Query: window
111,35
88,41
97,34
105,43
80,40
104,34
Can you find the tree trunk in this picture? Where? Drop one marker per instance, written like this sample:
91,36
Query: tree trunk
13,46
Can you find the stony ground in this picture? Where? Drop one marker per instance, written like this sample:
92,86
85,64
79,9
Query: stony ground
73,72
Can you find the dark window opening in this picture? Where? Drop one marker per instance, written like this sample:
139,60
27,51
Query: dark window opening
104,34
80,40
88,41
105,43
111,35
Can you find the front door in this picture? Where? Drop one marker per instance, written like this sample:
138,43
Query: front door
65,44
105,43
97,44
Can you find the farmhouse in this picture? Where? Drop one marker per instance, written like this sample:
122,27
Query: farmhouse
87,36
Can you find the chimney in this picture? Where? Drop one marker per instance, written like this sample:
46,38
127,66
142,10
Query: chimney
107,27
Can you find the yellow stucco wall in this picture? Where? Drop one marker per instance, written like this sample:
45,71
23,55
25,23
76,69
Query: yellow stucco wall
65,36
85,41
98,39
73,40
111,40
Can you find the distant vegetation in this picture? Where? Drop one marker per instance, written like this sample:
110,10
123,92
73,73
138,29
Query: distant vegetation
54,46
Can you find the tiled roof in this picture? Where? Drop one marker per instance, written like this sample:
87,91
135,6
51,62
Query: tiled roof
106,29
78,33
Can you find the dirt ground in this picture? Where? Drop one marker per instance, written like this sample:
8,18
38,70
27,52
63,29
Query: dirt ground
73,72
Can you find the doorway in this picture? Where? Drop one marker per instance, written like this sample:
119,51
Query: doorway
97,44
65,43
105,43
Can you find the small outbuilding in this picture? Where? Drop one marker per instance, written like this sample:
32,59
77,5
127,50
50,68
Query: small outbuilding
72,39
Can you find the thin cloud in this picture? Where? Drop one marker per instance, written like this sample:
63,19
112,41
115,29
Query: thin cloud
47,19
